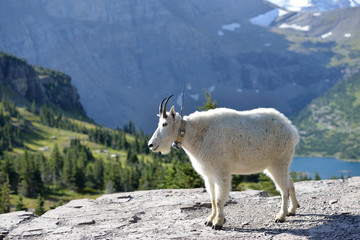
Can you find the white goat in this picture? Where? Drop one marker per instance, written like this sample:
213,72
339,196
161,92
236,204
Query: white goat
222,142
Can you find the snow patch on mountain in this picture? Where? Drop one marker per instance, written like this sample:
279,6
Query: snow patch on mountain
211,89
286,6
354,3
295,27
267,18
314,5
195,96
326,35
228,27
292,5
231,27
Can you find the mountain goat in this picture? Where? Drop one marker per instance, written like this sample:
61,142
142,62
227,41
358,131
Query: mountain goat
222,142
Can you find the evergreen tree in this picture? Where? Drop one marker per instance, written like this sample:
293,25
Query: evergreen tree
124,142
55,165
24,186
5,198
94,174
9,106
8,170
53,206
43,165
68,173
20,206
30,176
186,177
99,173
209,104
39,210
130,128
236,181
137,145
33,107
80,168
265,183
115,177
131,157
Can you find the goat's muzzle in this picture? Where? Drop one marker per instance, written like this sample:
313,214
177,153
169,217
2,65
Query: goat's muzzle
151,147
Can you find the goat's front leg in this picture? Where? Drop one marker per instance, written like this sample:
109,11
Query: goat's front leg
222,189
211,189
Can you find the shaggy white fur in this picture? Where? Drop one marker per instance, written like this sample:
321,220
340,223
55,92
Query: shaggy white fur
222,142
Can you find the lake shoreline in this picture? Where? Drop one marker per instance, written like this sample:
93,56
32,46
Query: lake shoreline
325,156
325,167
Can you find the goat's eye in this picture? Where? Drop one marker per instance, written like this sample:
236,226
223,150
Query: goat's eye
164,124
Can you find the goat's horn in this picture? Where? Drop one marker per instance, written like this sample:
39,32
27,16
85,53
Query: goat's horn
160,106
164,110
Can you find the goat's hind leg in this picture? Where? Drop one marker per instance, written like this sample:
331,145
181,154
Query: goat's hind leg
222,189
281,179
294,203
211,189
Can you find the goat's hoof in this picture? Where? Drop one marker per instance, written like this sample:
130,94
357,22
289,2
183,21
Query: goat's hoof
208,223
279,220
291,214
217,227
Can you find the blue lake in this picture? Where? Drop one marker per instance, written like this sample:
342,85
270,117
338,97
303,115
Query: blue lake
326,167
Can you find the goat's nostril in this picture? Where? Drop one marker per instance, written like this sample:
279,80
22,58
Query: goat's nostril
150,145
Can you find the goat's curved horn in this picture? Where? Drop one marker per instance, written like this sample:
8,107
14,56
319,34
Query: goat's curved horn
164,110
160,106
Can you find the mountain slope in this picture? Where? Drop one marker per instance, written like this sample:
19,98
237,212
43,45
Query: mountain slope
124,54
24,84
329,126
336,30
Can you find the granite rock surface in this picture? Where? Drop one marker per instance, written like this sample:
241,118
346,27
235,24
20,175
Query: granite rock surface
330,209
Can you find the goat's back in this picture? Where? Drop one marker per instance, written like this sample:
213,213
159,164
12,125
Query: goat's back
245,137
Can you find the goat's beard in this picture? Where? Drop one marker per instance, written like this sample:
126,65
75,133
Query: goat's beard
165,150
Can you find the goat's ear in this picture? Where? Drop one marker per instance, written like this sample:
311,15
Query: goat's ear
172,113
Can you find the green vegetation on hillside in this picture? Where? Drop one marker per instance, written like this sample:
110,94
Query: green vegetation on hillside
10,136
330,125
47,154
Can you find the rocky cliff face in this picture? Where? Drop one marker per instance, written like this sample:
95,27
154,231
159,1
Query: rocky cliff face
330,209
24,84
126,56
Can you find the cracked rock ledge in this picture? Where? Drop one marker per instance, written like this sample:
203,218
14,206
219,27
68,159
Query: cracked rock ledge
330,209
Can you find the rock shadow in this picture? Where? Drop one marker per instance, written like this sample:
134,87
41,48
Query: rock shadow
337,226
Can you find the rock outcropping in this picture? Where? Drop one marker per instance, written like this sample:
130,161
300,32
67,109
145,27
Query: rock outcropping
330,209
24,83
